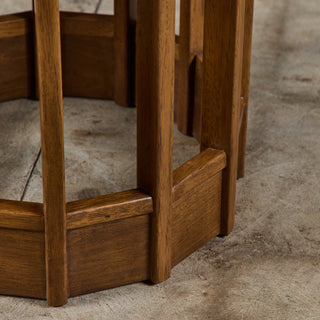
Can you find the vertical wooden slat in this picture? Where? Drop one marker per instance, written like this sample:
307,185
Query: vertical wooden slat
248,24
123,54
223,49
47,22
155,93
191,43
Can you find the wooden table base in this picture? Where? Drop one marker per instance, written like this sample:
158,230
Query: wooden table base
57,250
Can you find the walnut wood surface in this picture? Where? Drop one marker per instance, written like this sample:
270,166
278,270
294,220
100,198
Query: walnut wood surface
15,25
222,58
137,234
155,95
16,58
108,255
22,263
191,44
196,203
21,215
87,24
205,165
117,206
87,55
124,54
47,24
88,58
247,45
197,110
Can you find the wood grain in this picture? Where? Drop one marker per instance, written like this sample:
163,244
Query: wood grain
87,24
119,250
22,263
15,25
21,215
205,165
196,209
47,23
16,56
223,50
87,55
117,206
124,54
247,45
198,87
108,255
191,44
155,94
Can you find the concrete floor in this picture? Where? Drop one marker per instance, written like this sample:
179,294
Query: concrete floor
269,267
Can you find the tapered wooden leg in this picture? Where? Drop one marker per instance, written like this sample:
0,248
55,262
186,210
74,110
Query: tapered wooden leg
50,79
123,54
155,93
245,85
191,43
223,50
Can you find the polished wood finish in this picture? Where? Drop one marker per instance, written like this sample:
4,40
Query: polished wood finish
47,23
191,44
124,54
247,47
108,255
87,55
16,58
55,250
111,207
197,113
119,250
155,94
87,24
196,203
206,164
22,263
116,251
222,58
15,25
21,215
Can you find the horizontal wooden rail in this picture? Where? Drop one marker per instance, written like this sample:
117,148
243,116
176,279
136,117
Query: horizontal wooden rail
86,24
196,212
111,207
21,215
88,61
108,237
205,165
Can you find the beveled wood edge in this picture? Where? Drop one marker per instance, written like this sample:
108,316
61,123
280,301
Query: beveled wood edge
107,208
88,24
18,24
215,159
117,206
120,206
97,25
21,215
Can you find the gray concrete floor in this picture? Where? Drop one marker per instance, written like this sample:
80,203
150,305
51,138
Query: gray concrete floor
268,268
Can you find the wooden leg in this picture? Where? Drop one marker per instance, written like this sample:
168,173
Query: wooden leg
245,85
50,79
123,54
223,49
191,43
155,93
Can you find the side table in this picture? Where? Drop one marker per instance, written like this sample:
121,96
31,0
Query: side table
55,250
